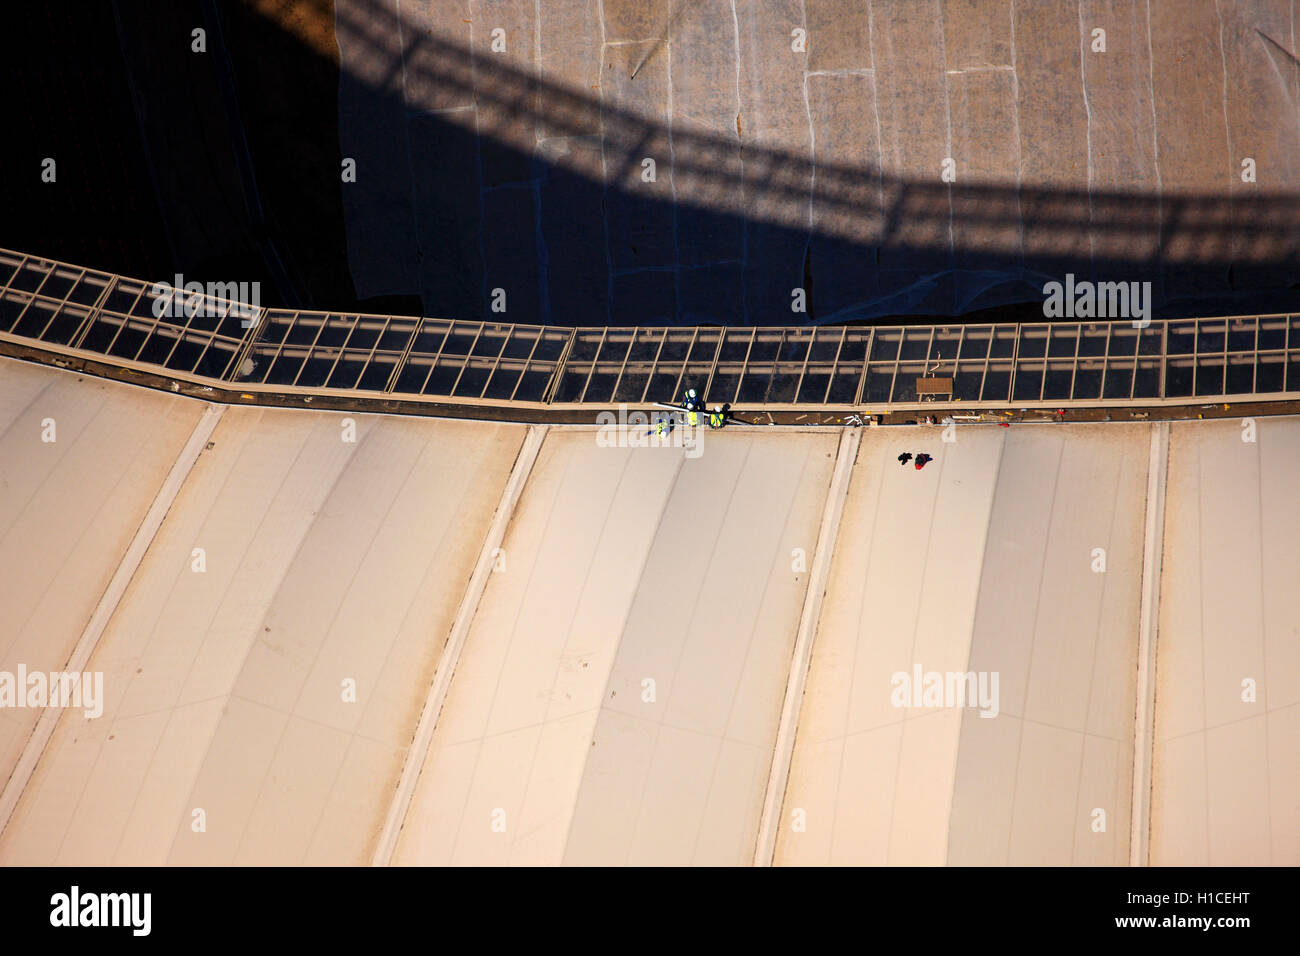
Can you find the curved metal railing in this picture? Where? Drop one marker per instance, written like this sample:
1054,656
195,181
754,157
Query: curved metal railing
1079,363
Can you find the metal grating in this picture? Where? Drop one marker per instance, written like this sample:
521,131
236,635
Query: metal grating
1061,362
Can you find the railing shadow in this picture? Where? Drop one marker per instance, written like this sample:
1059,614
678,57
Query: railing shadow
476,173
550,179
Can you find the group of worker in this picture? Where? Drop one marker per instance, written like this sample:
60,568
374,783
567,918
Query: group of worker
695,413
694,407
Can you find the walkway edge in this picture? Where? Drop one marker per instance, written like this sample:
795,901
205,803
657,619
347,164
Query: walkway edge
783,752
1144,717
108,603
415,754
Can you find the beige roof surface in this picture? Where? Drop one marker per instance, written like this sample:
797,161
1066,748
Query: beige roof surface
569,652
68,508
627,566
981,562
1227,754
326,561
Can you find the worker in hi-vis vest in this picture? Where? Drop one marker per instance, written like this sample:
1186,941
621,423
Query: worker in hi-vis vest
692,404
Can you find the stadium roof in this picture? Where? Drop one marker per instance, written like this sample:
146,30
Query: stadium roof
332,637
